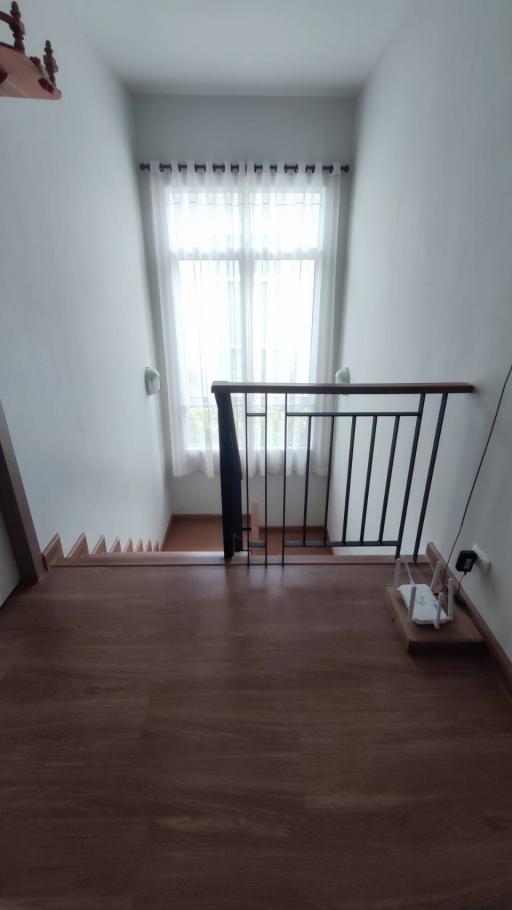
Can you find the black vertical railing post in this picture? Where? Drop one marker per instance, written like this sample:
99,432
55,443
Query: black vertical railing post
306,485
432,464
349,478
388,477
410,473
328,487
283,529
247,508
368,479
266,480
230,477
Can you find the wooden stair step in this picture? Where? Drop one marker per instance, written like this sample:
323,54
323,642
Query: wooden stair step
216,558
53,551
100,546
79,548
160,558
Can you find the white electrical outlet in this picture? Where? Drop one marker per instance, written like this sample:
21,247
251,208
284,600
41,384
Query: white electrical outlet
482,560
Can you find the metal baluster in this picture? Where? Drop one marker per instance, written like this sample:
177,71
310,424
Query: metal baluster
231,477
248,517
284,476
409,474
306,487
388,477
266,484
426,494
328,482
368,479
349,478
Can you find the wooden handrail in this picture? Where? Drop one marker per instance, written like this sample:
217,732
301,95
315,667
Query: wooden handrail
337,388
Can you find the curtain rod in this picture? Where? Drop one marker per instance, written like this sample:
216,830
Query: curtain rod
328,168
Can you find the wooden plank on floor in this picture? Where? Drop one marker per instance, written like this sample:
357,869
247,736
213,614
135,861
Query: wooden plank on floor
99,547
216,558
462,632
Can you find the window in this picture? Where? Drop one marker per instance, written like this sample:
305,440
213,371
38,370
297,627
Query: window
251,269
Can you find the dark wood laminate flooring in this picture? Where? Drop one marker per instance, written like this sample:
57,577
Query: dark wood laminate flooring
211,739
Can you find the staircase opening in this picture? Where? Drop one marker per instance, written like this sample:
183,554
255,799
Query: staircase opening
203,533
376,446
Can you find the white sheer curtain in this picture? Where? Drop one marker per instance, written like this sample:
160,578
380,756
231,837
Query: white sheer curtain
245,264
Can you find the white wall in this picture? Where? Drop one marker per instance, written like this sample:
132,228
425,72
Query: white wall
233,128
198,494
75,332
429,287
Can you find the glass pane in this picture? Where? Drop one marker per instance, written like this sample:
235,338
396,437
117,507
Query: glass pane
206,222
284,222
209,331
254,325
282,319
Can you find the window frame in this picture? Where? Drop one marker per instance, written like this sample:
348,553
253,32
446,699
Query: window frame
247,259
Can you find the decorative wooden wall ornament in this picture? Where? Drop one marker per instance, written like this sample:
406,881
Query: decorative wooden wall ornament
22,76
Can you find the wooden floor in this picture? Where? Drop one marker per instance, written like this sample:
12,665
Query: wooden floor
229,739
188,534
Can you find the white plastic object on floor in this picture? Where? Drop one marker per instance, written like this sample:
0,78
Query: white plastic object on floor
424,606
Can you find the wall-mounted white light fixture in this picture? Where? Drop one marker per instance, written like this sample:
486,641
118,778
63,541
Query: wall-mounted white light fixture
152,380
343,376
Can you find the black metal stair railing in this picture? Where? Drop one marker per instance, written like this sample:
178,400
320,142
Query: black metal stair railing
230,478
231,471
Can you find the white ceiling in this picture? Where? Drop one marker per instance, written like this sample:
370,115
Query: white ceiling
268,47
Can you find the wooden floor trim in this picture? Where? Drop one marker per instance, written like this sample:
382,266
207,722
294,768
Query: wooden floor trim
141,559
99,547
53,551
216,558
452,636
315,560
79,548
499,655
